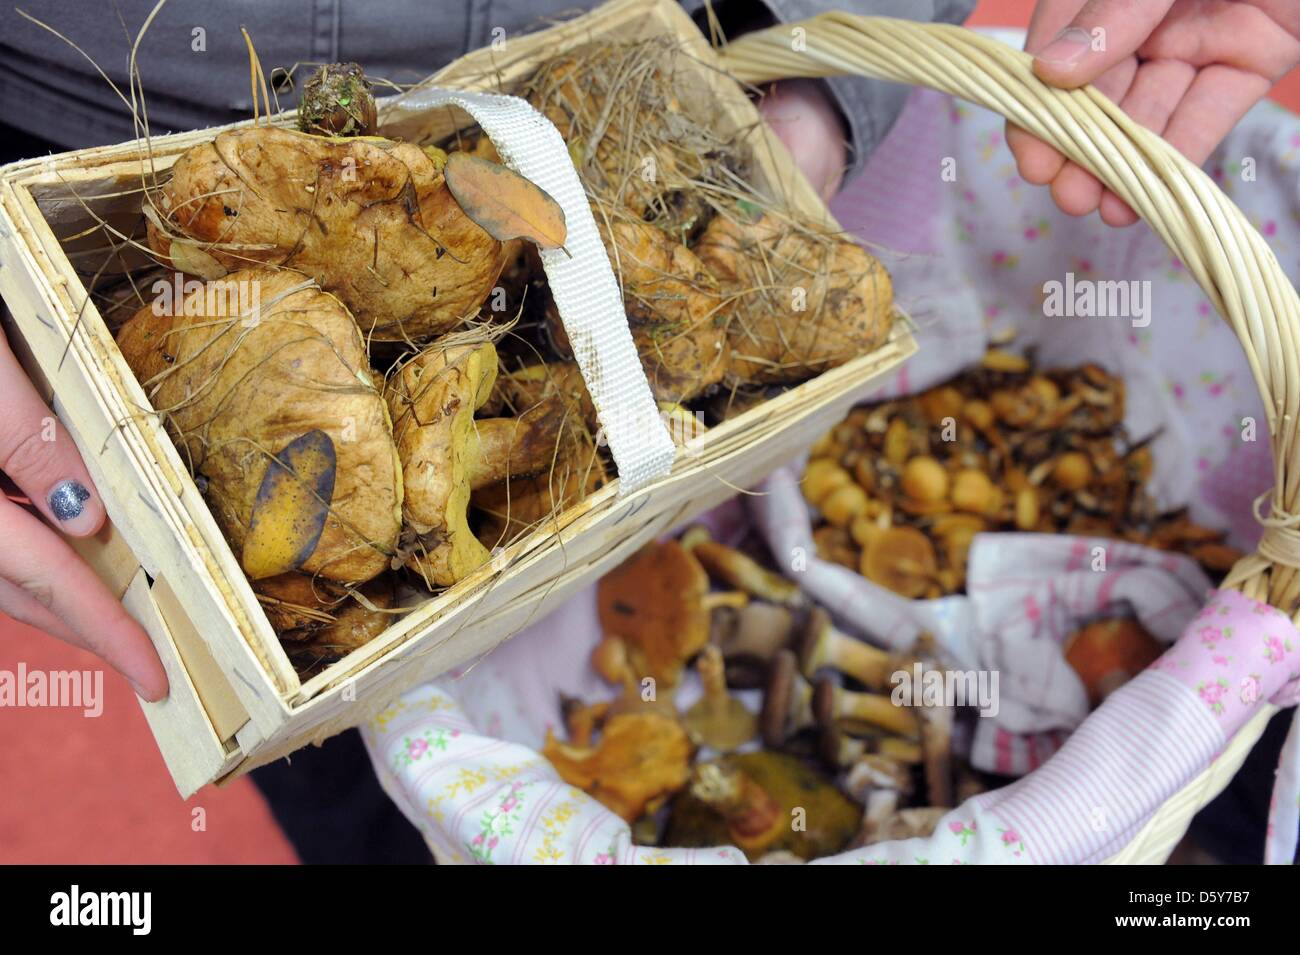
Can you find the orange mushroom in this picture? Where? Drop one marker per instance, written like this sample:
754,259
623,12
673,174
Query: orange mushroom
641,760
658,604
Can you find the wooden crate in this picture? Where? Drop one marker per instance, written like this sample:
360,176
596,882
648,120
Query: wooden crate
236,702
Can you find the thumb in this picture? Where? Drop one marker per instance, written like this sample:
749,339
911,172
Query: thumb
1102,34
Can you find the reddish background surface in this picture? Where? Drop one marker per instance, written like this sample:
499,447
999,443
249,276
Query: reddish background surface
79,790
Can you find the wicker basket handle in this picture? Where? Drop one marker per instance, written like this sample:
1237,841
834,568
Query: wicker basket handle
1199,224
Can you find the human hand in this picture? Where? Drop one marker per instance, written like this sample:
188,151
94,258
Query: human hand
1185,69
805,119
42,580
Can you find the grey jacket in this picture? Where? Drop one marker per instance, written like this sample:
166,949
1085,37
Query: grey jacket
193,63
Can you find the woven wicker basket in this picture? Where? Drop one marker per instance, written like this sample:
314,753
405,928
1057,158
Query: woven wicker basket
1220,248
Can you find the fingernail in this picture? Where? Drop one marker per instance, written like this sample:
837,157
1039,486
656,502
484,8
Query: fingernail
68,505
1070,46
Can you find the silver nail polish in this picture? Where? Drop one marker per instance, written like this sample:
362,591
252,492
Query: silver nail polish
68,500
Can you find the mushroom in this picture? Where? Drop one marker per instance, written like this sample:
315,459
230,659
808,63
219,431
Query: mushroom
741,572
582,720
749,638
1106,654
338,101
834,705
641,760
901,559
917,822
751,799
754,819
445,453
787,703
840,750
822,645
318,620
609,659
800,301
718,720
880,785
658,604
936,733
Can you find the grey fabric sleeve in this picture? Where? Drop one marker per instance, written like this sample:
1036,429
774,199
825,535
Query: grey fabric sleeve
195,72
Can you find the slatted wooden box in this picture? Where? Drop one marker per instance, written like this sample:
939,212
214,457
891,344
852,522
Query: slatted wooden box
236,702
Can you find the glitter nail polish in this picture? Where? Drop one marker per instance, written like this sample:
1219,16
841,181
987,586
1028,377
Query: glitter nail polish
68,500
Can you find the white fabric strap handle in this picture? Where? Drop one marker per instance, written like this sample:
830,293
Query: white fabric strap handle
582,283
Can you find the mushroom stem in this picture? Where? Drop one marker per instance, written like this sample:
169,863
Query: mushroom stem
833,705
822,645
718,720
936,746
515,447
841,750
739,570
749,638
727,598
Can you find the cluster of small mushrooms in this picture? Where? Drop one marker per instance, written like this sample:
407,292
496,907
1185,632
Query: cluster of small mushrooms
824,761
900,488
795,749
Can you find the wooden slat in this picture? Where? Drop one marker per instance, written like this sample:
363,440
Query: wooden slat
220,702
188,743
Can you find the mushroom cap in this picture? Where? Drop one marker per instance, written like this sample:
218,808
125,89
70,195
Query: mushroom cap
640,757
655,602
432,400
1105,649
901,559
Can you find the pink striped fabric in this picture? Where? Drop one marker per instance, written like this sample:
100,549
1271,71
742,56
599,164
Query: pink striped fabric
1132,754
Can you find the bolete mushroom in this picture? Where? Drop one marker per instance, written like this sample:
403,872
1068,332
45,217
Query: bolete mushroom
641,760
801,301
658,604
833,706
821,645
754,819
445,453
718,720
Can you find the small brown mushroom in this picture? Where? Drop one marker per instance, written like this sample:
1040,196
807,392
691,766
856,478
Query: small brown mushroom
741,572
840,750
822,645
914,823
833,705
749,638
901,559
787,704
718,720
